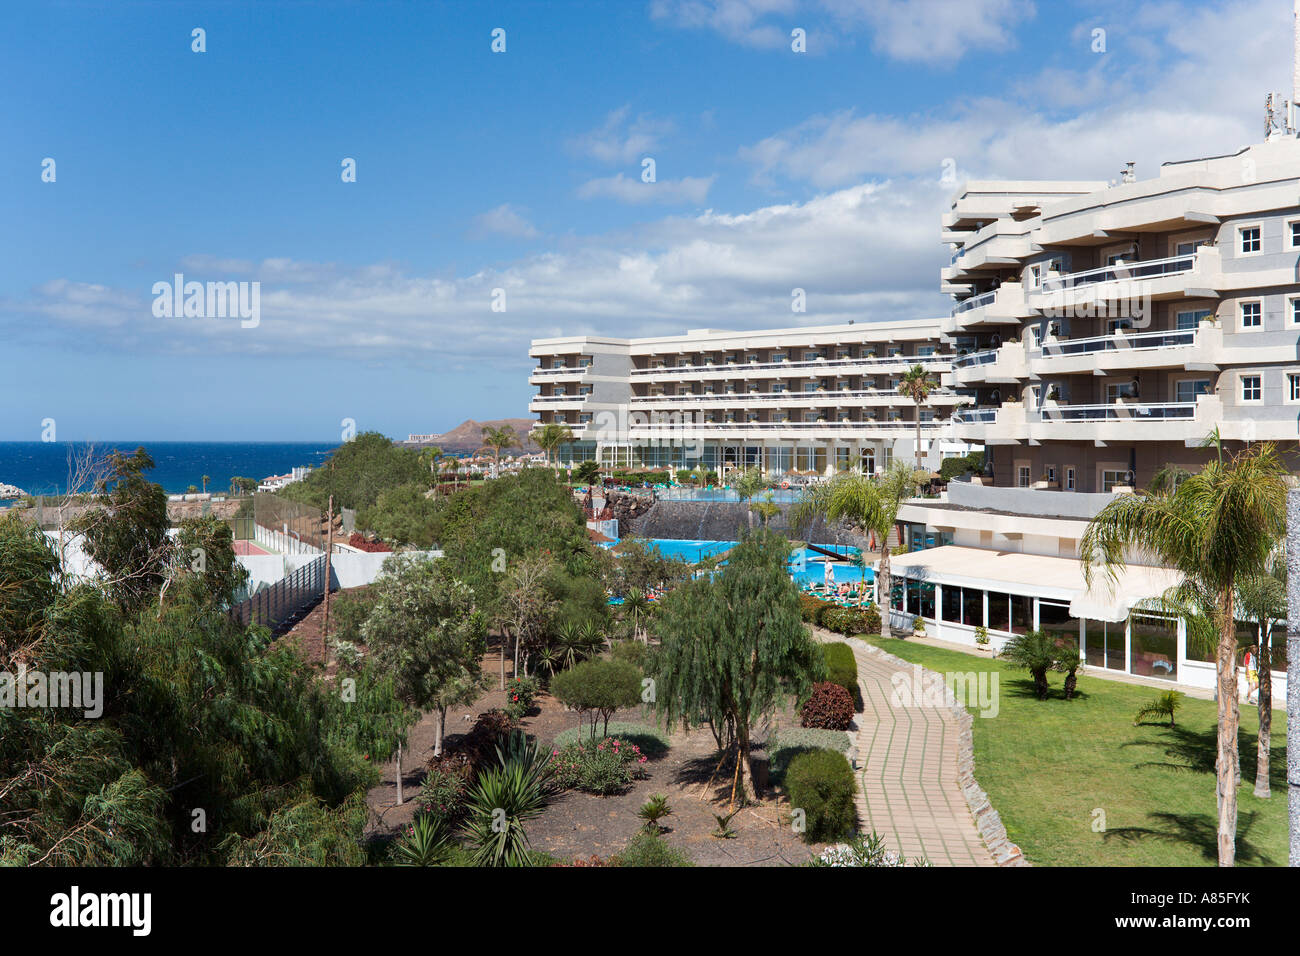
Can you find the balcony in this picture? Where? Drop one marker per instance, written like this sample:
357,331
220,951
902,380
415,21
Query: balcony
1118,422
540,402
851,397
568,373
1123,350
1001,366
1119,411
1087,292
1005,305
867,365
828,430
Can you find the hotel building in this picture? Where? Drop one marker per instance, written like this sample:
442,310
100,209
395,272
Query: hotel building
1104,331
811,399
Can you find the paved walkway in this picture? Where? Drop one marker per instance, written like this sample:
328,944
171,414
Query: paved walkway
909,791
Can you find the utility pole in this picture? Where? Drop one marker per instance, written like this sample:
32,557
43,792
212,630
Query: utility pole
329,551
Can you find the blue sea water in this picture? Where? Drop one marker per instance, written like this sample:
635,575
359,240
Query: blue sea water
41,468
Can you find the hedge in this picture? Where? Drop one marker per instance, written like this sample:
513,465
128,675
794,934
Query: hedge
788,742
820,783
842,669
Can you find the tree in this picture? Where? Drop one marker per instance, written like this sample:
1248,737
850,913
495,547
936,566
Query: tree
733,647
1219,528
127,537
748,485
205,559
587,473
550,437
431,456
526,606
916,384
426,632
242,486
870,506
1037,652
635,608
1262,598
598,687
499,439
205,479
357,472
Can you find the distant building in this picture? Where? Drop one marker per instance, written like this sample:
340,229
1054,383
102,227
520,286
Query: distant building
276,482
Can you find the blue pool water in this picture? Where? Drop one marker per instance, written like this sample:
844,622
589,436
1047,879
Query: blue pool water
781,496
807,566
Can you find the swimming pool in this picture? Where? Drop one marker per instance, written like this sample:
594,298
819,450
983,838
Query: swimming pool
807,566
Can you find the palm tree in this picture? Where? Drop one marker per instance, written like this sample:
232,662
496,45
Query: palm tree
1263,600
869,505
431,456
1037,652
205,479
635,607
550,437
749,484
917,385
452,465
1219,528
499,439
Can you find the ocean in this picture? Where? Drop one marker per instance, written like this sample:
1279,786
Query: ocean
41,468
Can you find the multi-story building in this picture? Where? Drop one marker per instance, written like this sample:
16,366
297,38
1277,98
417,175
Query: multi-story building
813,399
1108,330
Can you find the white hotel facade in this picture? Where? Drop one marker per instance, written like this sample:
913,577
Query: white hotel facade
810,399
1099,332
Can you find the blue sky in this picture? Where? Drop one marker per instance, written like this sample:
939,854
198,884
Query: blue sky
522,171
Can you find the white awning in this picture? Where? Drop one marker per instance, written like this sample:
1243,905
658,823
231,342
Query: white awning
1039,575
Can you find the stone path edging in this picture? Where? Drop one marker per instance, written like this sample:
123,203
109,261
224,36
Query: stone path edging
987,820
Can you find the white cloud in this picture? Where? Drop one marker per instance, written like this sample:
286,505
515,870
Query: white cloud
622,138
935,31
627,189
504,220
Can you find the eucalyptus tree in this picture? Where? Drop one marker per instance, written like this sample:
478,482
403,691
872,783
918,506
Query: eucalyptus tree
733,647
869,506
1219,528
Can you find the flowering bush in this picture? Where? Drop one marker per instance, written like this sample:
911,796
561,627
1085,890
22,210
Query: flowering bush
442,795
358,540
520,694
598,766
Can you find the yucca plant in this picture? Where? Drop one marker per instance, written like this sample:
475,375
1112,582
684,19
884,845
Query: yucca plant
1164,707
503,799
427,843
654,810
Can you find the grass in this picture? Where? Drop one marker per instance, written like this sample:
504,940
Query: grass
1053,768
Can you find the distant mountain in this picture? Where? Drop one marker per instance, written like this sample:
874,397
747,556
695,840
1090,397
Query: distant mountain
467,437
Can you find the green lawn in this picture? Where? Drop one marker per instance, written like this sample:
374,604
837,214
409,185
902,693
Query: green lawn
1049,766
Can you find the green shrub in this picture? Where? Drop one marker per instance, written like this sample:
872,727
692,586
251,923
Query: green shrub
850,621
830,707
648,849
789,742
601,767
810,608
820,783
842,668
652,741
520,694
442,794
634,652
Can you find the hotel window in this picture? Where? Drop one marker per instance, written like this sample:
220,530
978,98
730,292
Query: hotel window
1293,386
1188,321
585,389
1189,388
778,356
751,357
1037,333
1109,479
811,356
1188,248
925,350
584,418
927,415
1249,239
1069,479
1055,618
1104,643
810,386
1154,646
1252,315
1294,302
1251,389
1293,230
895,351
1022,476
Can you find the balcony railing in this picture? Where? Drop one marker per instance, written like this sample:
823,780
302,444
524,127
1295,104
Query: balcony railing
829,397
975,416
986,357
1133,343
1122,411
562,370
819,364
1152,268
785,426
975,302
561,398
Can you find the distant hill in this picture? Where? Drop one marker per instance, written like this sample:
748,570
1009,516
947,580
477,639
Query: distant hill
467,437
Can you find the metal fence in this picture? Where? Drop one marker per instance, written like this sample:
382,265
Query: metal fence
274,605
292,518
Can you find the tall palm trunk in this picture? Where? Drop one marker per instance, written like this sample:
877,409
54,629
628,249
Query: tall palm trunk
1265,716
918,436
884,587
1226,763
